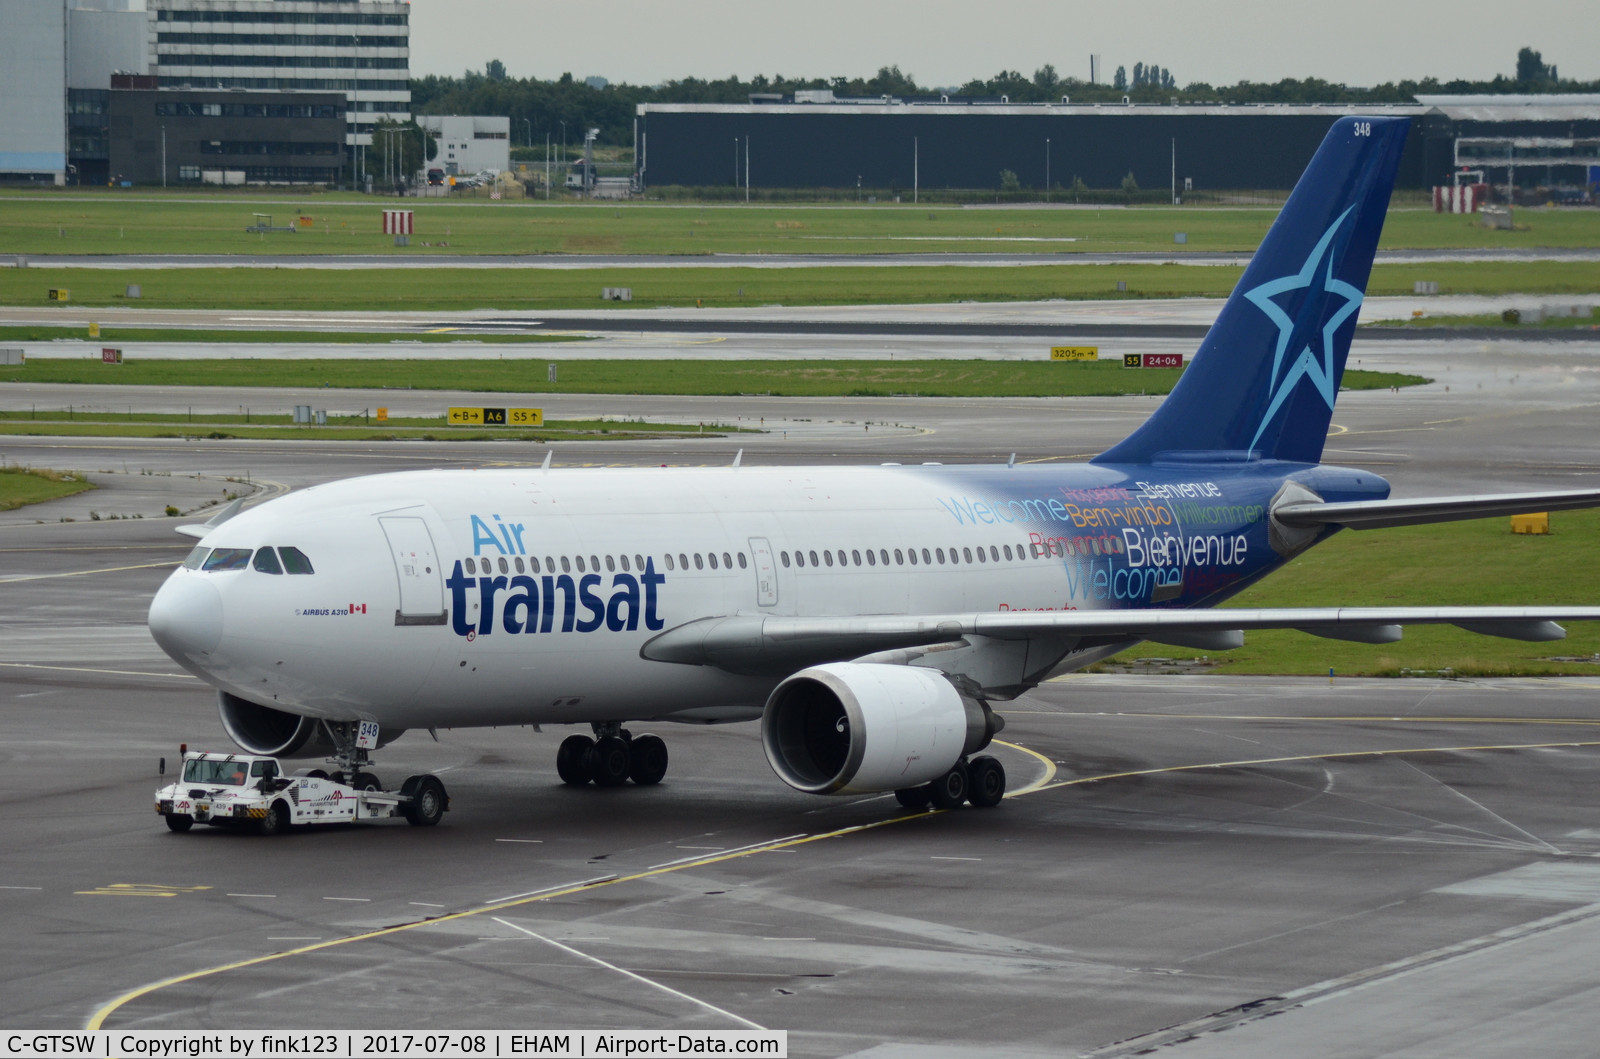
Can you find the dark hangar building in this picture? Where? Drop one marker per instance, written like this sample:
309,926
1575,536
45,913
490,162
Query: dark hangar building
904,145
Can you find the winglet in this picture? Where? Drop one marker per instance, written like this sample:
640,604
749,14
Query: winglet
202,528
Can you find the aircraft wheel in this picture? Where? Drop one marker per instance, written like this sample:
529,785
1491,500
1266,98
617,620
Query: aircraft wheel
915,798
365,781
649,754
950,790
610,761
986,782
572,760
179,822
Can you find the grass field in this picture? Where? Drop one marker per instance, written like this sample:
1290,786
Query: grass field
278,426
789,378
190,223
20,333
311,290
1559,323
1463,563
20,486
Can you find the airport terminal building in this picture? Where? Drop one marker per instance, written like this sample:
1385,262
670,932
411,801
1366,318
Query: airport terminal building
909,145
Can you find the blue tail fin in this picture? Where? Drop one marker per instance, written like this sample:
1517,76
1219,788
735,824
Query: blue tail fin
1265,378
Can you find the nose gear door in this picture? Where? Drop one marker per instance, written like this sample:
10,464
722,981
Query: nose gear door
417,567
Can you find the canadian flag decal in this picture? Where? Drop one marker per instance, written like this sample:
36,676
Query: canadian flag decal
358,608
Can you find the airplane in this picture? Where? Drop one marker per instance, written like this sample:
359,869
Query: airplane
869,617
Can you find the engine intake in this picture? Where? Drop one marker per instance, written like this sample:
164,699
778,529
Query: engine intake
862,727
264,730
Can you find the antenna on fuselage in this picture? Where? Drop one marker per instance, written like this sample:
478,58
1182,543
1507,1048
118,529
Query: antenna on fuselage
549,453
737,457
1012,462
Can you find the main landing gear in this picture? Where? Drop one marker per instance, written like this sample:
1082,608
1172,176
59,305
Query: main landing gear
981,781
612,757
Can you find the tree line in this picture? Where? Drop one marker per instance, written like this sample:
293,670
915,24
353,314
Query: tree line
565,107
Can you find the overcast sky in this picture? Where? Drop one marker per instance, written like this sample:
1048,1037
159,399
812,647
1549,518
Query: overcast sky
943,43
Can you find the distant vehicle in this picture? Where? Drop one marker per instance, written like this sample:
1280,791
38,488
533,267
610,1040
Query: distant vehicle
435,178
580,175
250,792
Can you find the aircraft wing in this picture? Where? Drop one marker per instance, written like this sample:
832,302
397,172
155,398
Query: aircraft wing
769,644
1381,514
203,528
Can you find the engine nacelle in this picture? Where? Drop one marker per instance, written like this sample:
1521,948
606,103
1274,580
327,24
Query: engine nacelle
863,727
264,730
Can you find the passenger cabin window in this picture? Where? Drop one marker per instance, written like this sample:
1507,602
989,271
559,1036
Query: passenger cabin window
784,556
295,561
267,562
741,560
198,554
227,559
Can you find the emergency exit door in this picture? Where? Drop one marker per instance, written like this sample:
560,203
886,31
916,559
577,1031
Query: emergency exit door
766,572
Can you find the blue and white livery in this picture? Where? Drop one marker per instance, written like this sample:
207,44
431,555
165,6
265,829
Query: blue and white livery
869,617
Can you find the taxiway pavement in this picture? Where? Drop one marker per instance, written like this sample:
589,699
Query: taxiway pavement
1402,867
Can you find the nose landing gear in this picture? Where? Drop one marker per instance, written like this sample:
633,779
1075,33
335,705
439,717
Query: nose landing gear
612,758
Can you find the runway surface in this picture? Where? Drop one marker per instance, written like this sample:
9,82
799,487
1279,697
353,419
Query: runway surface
1384,867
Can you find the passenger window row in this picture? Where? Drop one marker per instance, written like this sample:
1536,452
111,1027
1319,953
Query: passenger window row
282,560
610,563
903,557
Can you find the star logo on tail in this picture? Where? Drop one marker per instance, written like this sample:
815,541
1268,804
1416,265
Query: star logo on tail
1297,305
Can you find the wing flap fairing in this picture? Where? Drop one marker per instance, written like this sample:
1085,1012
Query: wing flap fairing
767,644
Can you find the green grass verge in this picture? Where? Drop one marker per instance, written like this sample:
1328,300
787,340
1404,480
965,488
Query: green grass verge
1463,563
23,333
788,378
21,486
1496,320
211,223
361,427
440,290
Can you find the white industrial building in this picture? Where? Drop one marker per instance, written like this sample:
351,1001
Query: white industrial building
469,145
359,47
33,91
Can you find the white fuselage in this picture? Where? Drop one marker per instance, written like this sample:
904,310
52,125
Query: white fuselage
448,598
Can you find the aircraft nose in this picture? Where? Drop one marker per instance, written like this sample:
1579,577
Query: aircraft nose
186,617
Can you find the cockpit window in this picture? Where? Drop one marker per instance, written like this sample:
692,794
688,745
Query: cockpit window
267,561
295,561
196,557
227,559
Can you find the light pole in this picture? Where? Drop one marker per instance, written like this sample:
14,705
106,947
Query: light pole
529,124
1047,169
163,156
355,107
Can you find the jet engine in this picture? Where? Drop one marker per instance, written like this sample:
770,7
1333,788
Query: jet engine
863,727
264,730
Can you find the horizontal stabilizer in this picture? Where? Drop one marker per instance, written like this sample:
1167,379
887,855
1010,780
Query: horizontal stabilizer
1382,514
